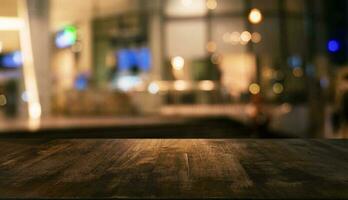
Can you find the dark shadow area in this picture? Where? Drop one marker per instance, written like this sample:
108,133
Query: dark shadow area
210,127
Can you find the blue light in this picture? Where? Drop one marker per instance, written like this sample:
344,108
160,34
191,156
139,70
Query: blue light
139,58
295,62
126,59
66,37
333,46
144,59
81,82
12,60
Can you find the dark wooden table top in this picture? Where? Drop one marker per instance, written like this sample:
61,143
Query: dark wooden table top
169,168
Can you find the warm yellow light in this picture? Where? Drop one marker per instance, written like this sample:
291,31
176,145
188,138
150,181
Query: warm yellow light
211,47
180,85
256,37
268,72
278,88
297,72
34,124
235,37
153,88
254,88
3,100
245,36
255,16
11,24
211,4
206,85
178,63
1,47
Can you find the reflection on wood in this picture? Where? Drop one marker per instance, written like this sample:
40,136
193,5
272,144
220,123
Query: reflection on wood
160,168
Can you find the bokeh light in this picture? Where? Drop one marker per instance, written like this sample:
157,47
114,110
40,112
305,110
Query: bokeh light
245,36
211,47
278,88
255,16
178,63
256,37
3,100
333,46
254,88
180,85
206,85
211,4
153,88
297,72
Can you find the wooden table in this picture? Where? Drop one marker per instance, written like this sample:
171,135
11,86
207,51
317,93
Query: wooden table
186,168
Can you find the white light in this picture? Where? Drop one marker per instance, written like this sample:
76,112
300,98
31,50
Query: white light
1,47
24,96
206,85
35,111
153,88
255,16
178,63
180,85
186,3
11,24
126,83
245,36
30,81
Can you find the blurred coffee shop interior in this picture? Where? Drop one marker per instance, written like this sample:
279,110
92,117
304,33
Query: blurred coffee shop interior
286,59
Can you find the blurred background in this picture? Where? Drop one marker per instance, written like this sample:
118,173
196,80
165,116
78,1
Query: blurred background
276,67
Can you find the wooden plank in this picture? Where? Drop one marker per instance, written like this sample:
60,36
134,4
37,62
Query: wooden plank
173,168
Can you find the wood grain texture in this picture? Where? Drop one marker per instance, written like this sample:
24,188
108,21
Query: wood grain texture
170,168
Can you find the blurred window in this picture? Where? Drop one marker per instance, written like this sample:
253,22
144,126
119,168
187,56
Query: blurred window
229,6
186,38
265,5
185,8
226,33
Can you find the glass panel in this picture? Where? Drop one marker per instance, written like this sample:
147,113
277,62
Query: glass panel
265,5
224,32
185,8
229,6
186,38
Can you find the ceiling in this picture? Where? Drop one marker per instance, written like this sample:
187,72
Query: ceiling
65,12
